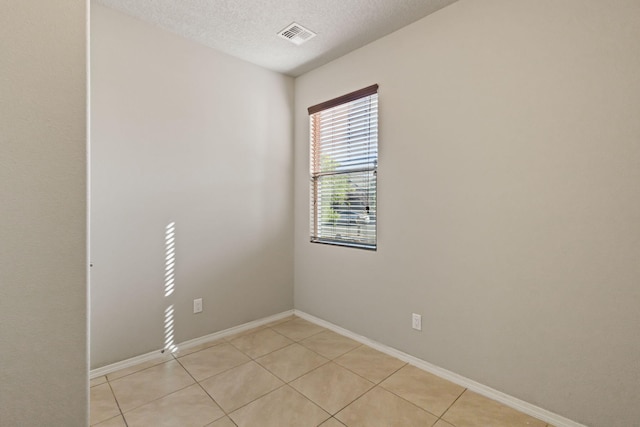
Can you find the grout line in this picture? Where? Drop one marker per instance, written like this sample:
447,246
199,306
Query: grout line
206,392
245,334
305,397
360,375
453,403
333,418
326,327
410,402
353,401
350,402
226,414
220,335
260,397
379,383
284,383
153,400
374,384
255,359
385,378
519,405
175,357
117,403
159,398
138,371
326,357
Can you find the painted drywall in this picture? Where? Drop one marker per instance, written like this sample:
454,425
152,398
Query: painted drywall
508,201
182,133
43,179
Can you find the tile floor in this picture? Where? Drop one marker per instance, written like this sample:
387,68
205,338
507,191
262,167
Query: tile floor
289,373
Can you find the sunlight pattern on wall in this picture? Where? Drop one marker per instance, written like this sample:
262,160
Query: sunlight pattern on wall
168,330
170,259
169,285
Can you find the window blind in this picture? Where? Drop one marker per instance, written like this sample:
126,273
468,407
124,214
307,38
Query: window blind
343,166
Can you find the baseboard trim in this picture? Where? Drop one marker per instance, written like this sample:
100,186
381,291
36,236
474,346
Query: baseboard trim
513,402
104,370
233,330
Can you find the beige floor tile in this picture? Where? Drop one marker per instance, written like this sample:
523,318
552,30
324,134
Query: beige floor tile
139,367
244,333
150,384
98,381
291,362
473,410
369,363
443,423
113,422
380,408
240,385
281,408
298,329
332,387
102,404
284,319
329,344
332,422
187,407
183,352
260,343
212,361
426,390
222,422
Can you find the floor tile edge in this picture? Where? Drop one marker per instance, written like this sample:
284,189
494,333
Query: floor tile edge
512,402
104,370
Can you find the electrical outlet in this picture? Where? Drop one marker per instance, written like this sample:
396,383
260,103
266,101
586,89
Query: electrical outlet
416,321
197,305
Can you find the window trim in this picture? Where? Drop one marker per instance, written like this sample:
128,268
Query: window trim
361,93
335,102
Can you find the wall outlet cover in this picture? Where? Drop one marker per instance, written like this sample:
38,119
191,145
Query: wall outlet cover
197,305
416,321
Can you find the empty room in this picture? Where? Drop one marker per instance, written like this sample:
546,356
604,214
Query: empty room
320,213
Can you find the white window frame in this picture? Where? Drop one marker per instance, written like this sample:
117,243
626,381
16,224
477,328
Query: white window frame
343,170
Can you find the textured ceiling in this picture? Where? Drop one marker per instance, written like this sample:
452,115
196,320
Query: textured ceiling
248,29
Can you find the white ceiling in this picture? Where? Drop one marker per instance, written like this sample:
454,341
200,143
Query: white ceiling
248,29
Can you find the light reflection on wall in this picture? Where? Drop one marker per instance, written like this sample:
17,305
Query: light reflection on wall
170,259
169,285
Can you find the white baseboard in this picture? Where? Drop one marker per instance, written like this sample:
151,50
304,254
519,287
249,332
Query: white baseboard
520,405
515,403
233,330
104,370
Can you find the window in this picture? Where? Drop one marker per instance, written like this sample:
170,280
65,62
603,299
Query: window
344,164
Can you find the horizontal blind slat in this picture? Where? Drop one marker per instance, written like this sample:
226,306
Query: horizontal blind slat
344,155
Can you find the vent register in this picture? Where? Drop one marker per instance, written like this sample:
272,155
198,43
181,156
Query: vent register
297,34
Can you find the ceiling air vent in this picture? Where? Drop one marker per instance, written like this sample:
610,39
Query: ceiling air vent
296,34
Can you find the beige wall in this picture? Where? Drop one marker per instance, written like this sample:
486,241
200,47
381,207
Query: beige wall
508,201
183,133
43,284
